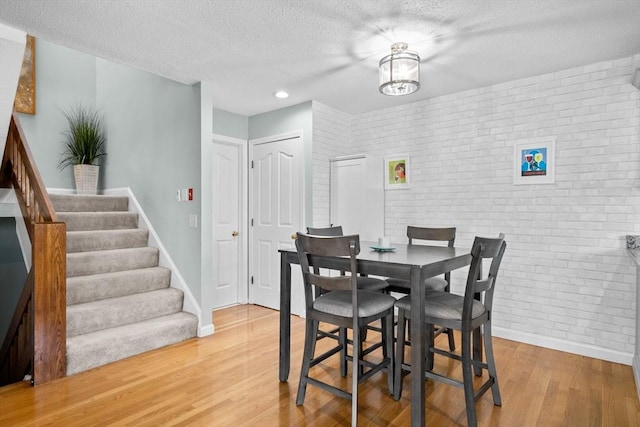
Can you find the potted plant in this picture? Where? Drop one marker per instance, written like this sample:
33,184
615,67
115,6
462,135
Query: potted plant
84,143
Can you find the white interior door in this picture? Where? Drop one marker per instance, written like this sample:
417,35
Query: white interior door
357,196
226,214
276,214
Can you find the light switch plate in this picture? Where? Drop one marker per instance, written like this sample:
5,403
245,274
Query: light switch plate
193,221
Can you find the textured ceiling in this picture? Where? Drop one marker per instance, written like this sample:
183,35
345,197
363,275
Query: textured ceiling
328,50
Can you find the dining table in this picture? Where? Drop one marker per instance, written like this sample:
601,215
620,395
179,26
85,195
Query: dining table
409,262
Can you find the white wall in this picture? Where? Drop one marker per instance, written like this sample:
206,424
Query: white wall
565,281
331,138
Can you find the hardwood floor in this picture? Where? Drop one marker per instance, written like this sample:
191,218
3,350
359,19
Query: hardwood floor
231,379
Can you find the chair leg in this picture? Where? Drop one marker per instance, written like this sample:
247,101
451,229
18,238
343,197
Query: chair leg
467,379
343,352
399,359
387,331
430,341
360,344
316,328
488,348
311,330
452,342
355,372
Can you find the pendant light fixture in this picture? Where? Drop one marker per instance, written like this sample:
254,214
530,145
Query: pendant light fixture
399,71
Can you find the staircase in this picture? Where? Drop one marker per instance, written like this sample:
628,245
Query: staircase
119,301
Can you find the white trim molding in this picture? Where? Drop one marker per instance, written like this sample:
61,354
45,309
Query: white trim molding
566,346
636,373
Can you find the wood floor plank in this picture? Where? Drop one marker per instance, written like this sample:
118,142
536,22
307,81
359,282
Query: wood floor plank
231,378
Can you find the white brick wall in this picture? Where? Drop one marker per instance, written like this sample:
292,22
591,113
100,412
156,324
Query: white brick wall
565,278
331,138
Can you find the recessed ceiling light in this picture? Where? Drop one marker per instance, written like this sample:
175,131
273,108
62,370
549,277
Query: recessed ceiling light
281,94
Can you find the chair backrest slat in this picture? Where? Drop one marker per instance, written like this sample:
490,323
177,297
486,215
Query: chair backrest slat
433,234
336,283
326,231
484,285
483,249
325,245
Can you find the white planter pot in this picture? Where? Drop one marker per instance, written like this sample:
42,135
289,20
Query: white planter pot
86,178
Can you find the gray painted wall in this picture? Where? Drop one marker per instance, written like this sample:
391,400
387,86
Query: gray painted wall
64,78
296,117
153,140
230,124
12,43
154,148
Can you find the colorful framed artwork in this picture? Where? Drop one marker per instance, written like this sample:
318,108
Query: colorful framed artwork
397,172
25,101
534,161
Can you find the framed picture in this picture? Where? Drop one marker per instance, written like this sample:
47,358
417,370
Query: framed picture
397,172
26,93
534,161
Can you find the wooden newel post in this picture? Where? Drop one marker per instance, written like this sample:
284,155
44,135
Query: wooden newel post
50,311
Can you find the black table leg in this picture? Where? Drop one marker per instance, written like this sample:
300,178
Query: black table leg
417,349
285,317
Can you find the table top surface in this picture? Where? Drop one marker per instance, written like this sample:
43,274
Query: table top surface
405,254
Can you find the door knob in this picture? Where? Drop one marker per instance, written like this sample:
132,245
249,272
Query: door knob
294,236
234,234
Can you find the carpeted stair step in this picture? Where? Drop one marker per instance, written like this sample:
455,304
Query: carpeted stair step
98,240
119,301
113,312
84,221
99,348
96,287
78,203
97,262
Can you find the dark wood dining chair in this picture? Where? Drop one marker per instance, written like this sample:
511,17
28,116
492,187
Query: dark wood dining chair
364,282
441,283
345,305
463,313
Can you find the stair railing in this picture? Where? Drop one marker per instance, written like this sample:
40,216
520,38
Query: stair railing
36,340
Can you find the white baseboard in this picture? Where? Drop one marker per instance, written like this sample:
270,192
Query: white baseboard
205,326
636,373
206,330
567,346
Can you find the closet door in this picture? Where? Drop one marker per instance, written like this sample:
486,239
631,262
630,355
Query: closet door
357,196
